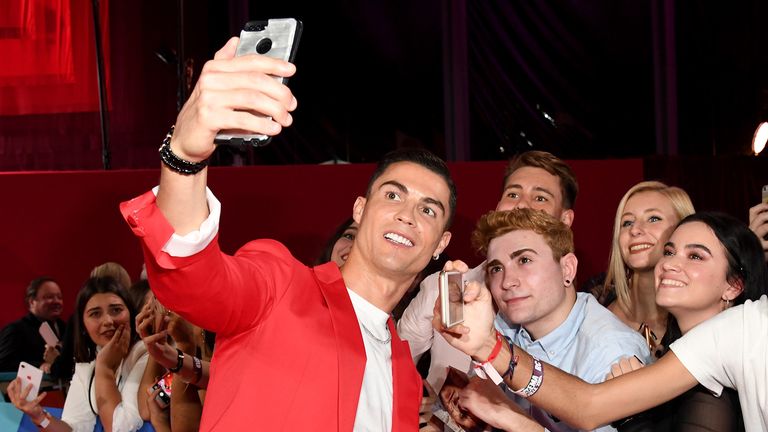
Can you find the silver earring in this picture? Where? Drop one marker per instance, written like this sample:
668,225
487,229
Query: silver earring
436,257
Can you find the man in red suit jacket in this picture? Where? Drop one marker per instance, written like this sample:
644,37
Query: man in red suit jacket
297,348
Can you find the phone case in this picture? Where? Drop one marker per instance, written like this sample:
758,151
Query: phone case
163,398
765,194
277,38
30,375
447,316
48,335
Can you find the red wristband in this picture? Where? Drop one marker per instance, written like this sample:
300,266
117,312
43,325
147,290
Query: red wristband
496,348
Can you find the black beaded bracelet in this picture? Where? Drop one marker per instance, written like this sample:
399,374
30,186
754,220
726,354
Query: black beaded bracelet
176,163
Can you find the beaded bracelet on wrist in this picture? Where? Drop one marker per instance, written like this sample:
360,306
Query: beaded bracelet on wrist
176,163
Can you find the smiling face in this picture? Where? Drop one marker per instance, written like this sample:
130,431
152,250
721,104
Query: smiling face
691,276
343,245
47,303
402,221
527,283
646,223
104,312
531,187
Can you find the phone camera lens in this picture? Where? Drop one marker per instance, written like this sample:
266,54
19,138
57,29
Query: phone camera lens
264,46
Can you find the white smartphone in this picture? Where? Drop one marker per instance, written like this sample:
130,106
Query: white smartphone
276,38
30,375
48,335
451,298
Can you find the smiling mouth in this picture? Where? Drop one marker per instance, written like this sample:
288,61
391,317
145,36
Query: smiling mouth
671,283
640,247
398,239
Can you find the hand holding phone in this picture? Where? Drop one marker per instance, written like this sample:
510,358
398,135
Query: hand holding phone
163,397
276,38
451,286
30,375
48,335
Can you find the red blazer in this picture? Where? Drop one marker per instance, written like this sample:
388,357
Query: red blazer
289,353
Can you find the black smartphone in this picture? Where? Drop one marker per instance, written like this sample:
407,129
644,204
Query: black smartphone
451,298
276,38
163,398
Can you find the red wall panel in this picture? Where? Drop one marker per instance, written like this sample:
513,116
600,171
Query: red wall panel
64,223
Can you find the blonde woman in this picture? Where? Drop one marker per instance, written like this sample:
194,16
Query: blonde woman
645,218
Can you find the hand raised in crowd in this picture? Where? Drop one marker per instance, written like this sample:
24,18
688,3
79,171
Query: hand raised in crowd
623,366
476,336
758,223
182,332
151,324
115,350
18,398
50,355
159,417
488,402
233,93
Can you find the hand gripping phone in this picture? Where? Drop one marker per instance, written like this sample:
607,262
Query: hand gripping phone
451,298
163,398
276,38
30,375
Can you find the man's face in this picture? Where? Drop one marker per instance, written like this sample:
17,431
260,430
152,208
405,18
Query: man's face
525,280
402,221
48,303
530,187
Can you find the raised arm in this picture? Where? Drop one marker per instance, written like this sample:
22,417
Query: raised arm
232,93
576,402
758,223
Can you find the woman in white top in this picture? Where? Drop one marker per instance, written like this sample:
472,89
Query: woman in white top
110,361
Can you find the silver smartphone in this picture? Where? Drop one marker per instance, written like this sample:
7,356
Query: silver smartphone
276,38
451,298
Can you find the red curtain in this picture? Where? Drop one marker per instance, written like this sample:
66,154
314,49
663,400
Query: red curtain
49,51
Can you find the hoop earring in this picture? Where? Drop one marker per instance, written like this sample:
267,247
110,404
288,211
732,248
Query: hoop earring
436,257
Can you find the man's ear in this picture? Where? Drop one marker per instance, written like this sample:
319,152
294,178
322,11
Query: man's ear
569,264
567,217
443,243
358,208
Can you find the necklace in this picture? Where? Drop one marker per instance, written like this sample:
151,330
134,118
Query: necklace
383,342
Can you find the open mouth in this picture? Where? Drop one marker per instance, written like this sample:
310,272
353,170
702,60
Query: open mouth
398,239
671,283
639,247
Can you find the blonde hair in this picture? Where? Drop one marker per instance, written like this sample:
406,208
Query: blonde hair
115,271
491,225
617,278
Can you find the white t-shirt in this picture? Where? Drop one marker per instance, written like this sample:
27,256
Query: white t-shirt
731,350
79,407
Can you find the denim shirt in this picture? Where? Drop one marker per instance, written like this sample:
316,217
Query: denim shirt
586,344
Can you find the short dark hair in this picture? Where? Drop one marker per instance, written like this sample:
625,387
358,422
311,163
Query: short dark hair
85,348
34,287
425,159
550,163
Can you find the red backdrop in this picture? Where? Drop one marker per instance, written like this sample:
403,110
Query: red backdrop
63,224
